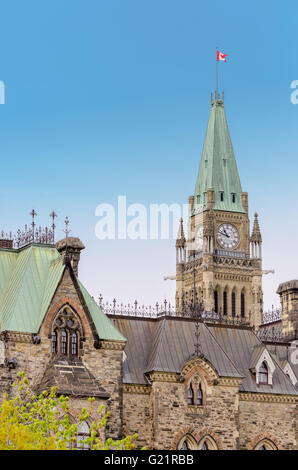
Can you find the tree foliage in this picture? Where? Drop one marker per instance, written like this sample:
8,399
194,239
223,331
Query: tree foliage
43,422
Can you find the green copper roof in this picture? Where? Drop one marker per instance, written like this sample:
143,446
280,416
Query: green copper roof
28,280
104,326
218,168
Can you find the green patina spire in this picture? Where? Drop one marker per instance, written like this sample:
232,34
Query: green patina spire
218,168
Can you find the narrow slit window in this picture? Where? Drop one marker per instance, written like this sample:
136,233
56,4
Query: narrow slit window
233,197
200,396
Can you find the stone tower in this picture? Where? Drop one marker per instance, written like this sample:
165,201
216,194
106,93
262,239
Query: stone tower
227,260
288,292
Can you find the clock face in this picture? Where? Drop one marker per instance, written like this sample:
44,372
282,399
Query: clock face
199,238
227,236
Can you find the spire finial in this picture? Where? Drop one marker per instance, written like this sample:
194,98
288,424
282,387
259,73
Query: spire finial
33,224
66,231
53,215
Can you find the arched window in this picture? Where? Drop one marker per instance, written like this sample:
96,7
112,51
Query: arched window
207,443
225,303
184,446
263,373
63,342
82,436
66,333
54,342
233,304
216,301
265,444
199,396
190,396
242,304
74,344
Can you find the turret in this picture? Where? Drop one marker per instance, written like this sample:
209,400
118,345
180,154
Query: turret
256,240
180,245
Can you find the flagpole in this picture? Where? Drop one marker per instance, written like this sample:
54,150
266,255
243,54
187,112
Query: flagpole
216,76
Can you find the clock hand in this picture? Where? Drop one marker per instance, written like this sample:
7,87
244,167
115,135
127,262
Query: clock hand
225,234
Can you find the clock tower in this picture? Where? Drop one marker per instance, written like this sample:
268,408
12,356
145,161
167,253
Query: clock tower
220,256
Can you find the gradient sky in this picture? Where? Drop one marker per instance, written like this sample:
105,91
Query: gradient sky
110,97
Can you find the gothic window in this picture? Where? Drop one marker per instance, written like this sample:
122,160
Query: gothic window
242,304
184,446
74,344
64,342
66,333
200,396
207,443
263,373
82,436
54,342
190,395
216,301
265,444
233,304
225,303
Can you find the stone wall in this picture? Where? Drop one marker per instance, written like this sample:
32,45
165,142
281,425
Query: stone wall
273,420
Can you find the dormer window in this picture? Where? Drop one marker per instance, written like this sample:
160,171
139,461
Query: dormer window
263,373
233,197
262,365
221,195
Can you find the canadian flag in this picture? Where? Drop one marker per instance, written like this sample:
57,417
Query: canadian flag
221,56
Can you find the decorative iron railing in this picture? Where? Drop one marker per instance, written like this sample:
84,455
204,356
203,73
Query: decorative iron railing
165,309
273,315
27,236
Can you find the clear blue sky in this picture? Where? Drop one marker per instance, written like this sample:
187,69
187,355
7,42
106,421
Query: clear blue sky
108,98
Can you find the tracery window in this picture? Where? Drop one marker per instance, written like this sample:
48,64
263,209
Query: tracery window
195,391
66,333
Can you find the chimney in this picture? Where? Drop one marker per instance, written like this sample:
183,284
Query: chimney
6,243
288,292
74,247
